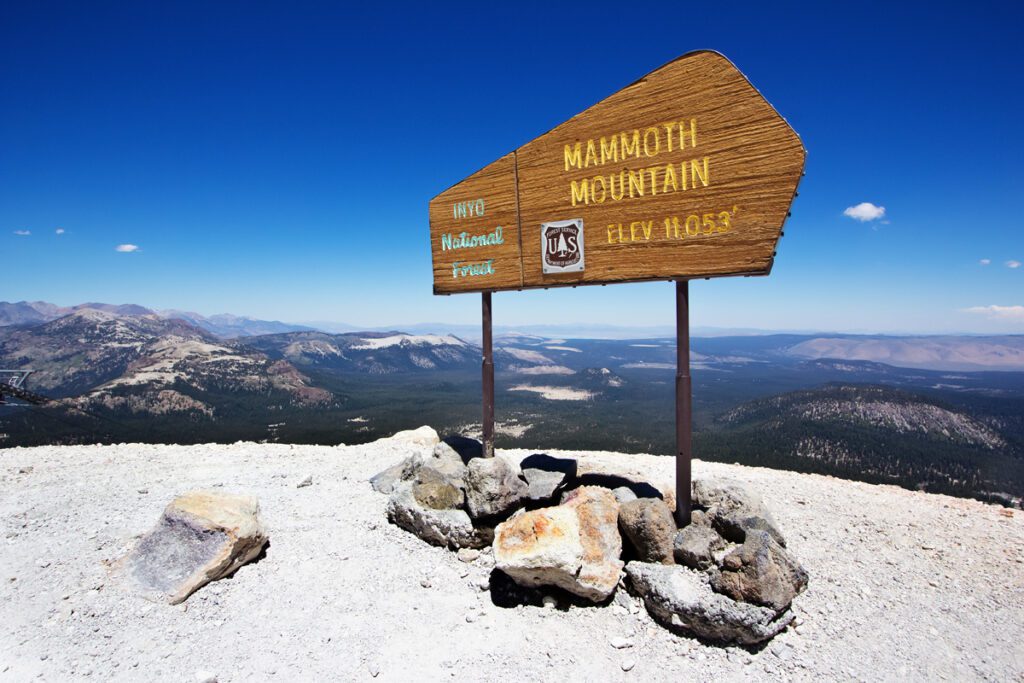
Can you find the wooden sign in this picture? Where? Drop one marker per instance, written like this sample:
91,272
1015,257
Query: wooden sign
686,173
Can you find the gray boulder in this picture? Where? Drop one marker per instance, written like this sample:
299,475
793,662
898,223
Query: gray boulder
201,536
384,481
696,545
543,486
443,527
648,525
734,510
546,476
434,490
493,487
680,597
448,462
761,572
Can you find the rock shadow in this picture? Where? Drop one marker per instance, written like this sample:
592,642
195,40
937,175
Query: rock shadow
466,447
256,560
548,463
641,489
507,594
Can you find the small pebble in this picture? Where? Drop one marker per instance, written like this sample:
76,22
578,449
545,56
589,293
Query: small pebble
205,677
308,481
425,582
42,564
373,668
628,664
143,491
549,602
468,554
620,643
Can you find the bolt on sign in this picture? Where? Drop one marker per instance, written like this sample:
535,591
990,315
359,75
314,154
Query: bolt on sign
686,173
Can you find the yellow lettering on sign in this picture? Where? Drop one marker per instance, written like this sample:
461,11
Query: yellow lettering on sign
611,230
642,182
668,133
695,173
670,176
573,157
636,182
609,149
648,151
580,191
693,134
593,189
631,146
622,186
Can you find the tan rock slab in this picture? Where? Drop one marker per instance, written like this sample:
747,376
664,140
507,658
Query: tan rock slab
201,536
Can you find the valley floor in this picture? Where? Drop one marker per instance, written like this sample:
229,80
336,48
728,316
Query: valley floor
904,585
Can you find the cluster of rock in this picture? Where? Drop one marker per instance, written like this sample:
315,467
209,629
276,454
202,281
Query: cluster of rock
726,576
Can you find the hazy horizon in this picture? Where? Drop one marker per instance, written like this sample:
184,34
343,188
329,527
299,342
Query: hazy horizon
588,330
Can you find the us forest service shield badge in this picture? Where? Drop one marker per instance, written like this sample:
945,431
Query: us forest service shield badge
562,246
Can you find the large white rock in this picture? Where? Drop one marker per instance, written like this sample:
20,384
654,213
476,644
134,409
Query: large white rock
423,437
575,545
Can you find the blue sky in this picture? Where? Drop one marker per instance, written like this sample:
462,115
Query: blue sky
276,160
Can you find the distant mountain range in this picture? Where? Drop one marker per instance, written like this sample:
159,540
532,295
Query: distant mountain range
130,357
950,352
224,325
835,404
880,434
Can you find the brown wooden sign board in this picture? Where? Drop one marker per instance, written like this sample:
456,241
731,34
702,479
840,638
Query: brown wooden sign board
686,173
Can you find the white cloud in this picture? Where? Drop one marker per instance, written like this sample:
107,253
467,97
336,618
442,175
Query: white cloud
1013,264
126,247
864,212
59,231
998,312
23,233
985,261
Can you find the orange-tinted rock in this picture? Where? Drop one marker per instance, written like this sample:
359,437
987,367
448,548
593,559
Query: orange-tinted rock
575,546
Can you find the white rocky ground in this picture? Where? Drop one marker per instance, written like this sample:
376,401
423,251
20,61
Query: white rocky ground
903,585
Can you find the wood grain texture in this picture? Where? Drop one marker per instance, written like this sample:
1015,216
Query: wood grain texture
754,162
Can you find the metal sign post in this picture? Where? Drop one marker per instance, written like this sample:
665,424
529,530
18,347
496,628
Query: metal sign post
488,378
684,404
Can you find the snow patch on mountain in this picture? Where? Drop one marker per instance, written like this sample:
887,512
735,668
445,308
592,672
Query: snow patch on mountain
546,370
410,340
555,393
526,355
